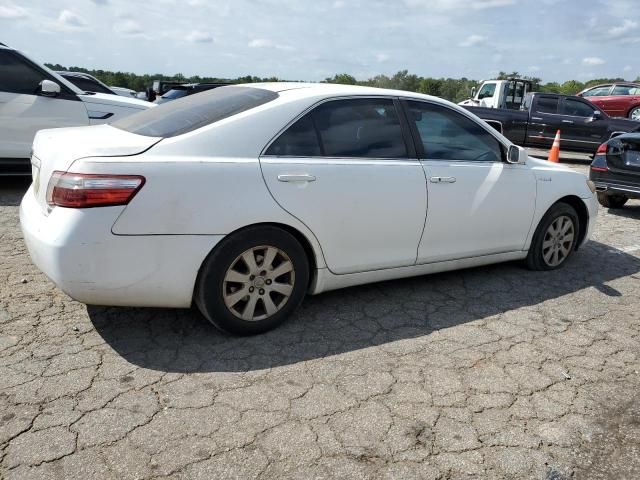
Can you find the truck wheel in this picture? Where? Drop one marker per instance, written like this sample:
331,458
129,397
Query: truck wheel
612,201
634,114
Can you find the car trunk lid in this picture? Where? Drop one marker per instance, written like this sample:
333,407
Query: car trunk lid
623,155
57,149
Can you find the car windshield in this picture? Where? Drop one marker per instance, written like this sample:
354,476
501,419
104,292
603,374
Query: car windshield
175,93
194,111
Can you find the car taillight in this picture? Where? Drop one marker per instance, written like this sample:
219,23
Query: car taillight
602,149
82,190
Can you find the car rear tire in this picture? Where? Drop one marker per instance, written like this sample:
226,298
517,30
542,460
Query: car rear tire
612,201
253,280
634,114
554,241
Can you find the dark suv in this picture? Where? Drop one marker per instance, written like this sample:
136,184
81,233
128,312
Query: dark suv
616,170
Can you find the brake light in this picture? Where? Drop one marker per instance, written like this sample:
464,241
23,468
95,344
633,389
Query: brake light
602,149
82,190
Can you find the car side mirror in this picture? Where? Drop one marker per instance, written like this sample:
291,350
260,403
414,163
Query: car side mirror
516,155
473,92
49,88
597,115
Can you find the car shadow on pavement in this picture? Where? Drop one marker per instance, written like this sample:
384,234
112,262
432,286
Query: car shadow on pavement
12,189
356,318
628,211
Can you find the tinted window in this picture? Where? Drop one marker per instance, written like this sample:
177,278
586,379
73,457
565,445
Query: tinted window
598,91
345,128
625,90
449,135
194,111
176,93
547,105
576,108
17,75
87,84
299,140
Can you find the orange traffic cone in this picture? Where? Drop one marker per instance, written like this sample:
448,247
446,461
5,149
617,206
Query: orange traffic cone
554,153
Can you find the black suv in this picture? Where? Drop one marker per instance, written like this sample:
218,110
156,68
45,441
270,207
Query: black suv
616,170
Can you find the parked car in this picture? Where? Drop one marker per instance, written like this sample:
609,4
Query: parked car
243,198
584,127
125,92
32,97
180,91
617,99
86,82
499,94
615,170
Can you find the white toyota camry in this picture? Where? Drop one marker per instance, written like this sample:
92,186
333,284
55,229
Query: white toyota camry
244,198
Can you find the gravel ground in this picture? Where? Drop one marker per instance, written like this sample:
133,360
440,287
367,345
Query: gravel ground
496,372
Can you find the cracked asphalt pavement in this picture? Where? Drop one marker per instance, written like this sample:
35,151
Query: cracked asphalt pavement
495,372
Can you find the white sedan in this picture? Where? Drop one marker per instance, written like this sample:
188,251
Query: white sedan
244,198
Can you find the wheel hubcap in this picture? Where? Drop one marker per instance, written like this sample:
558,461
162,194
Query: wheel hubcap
558,241
635,115
258,283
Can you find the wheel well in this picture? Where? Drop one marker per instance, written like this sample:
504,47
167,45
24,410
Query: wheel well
583,215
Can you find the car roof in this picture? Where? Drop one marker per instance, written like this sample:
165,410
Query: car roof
629,84
334,89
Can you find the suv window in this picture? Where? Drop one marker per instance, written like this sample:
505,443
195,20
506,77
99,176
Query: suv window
449,135
602,91
576,108
17,75
195,111
87,84
547,105
367,128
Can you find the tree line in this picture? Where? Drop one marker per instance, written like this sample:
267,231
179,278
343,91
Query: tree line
454,89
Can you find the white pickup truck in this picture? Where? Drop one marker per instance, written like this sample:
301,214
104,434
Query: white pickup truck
33,98
499,94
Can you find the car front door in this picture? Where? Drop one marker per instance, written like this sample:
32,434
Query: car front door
581,131
24,110
348,171
543,121
477,203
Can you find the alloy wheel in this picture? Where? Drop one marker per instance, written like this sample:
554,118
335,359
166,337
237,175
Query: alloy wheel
635,114
558,241
258,283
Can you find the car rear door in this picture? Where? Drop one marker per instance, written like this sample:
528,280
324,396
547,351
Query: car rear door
24,110
478,204
621,100
580,130
543,121
347,169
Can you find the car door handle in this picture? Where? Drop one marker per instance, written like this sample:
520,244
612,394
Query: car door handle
442,179
296,178
568,121
536,118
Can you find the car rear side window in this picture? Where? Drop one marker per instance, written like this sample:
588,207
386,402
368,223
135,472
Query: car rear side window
449,135
365,128
625,90
18,76
547,105
194,111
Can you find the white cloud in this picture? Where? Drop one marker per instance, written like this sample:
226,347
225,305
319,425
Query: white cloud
593,61
458,5
267,43
621,30
71,20
198,36
473,40
12,11
128,26
382,57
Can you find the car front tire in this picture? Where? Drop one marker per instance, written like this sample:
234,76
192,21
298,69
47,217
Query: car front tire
554,241
612,201
253,280
634,114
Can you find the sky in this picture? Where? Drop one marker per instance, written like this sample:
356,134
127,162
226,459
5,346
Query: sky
556,40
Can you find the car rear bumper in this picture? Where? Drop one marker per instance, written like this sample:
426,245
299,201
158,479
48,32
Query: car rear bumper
631,191
76,249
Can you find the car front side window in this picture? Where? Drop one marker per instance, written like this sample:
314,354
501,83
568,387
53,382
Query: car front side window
17,75
602,91
448,135
358,128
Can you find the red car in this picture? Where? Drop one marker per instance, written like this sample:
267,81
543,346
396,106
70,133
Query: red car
616,99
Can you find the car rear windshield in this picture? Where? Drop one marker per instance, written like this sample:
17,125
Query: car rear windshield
194,111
